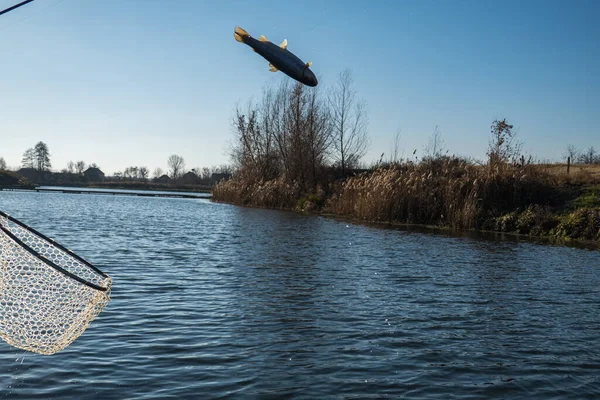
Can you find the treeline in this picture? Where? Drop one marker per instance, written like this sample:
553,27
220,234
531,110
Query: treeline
577,156
36,167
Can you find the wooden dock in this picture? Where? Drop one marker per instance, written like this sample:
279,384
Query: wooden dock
113,193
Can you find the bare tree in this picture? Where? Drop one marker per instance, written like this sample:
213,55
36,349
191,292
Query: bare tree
70,167
349,120
435,148
144,172
28,160
80,167
255,127
503,146
158,172
176,165
317,133
571,153
127,175
589,156
2,164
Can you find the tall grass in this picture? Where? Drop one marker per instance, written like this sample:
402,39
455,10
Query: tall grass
445,191
279,193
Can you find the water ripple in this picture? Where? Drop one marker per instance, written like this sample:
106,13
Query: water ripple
217,301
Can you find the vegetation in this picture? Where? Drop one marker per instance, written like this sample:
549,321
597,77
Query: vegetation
292,151
35,169
300,148
12,180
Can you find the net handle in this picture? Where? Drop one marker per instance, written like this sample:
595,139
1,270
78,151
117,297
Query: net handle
50,263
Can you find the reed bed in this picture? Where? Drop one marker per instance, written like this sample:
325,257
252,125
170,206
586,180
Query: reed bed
449,192
279,193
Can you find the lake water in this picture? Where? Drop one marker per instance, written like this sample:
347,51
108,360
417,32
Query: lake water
218,301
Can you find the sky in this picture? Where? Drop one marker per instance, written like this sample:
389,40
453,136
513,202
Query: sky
128,83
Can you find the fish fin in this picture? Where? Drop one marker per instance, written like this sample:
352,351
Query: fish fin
272,69
240,34
283,44
308,64
262,38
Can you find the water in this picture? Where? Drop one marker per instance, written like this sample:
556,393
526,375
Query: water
218,301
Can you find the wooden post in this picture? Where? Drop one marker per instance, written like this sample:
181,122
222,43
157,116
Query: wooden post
568,165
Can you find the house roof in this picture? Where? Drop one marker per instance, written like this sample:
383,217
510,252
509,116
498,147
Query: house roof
93,170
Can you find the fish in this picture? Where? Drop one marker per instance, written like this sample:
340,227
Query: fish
279,57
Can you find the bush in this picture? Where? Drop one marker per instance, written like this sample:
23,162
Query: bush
580,224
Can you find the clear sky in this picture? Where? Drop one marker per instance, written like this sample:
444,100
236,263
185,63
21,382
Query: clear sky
128,83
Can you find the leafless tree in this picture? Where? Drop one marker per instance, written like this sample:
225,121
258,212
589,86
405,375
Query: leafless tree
2,164
144,172
589,156
349,120
571,153
80,167
253,149
288,132
318,133
70,167
176,165
206,173
158,172
435,147
503,146
224,169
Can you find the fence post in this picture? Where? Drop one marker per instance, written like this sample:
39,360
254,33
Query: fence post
568,165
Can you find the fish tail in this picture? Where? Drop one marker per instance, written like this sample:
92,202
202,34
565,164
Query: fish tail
240,35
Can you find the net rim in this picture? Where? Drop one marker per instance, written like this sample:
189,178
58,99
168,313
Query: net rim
49,262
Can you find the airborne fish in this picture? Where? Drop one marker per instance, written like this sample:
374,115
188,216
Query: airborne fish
279,57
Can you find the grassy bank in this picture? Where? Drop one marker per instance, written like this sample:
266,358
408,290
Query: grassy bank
447,192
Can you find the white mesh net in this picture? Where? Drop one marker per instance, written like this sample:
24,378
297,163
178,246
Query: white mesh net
48,295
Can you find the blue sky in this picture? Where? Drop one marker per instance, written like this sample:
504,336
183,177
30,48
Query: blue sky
123,83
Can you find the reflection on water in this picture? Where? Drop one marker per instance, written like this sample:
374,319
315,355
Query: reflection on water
213,300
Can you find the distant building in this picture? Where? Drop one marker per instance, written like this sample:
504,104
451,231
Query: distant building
216,178
189,178
162,179
94,174
35,176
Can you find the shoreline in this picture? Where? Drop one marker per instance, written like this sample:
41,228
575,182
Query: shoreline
448,194
438,229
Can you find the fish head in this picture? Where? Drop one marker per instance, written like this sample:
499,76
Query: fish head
308,77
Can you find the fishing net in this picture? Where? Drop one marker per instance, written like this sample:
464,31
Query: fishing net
48,294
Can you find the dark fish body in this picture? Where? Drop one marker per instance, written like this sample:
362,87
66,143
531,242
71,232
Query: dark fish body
279,57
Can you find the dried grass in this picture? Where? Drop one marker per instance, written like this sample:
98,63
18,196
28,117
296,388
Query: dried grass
446,191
